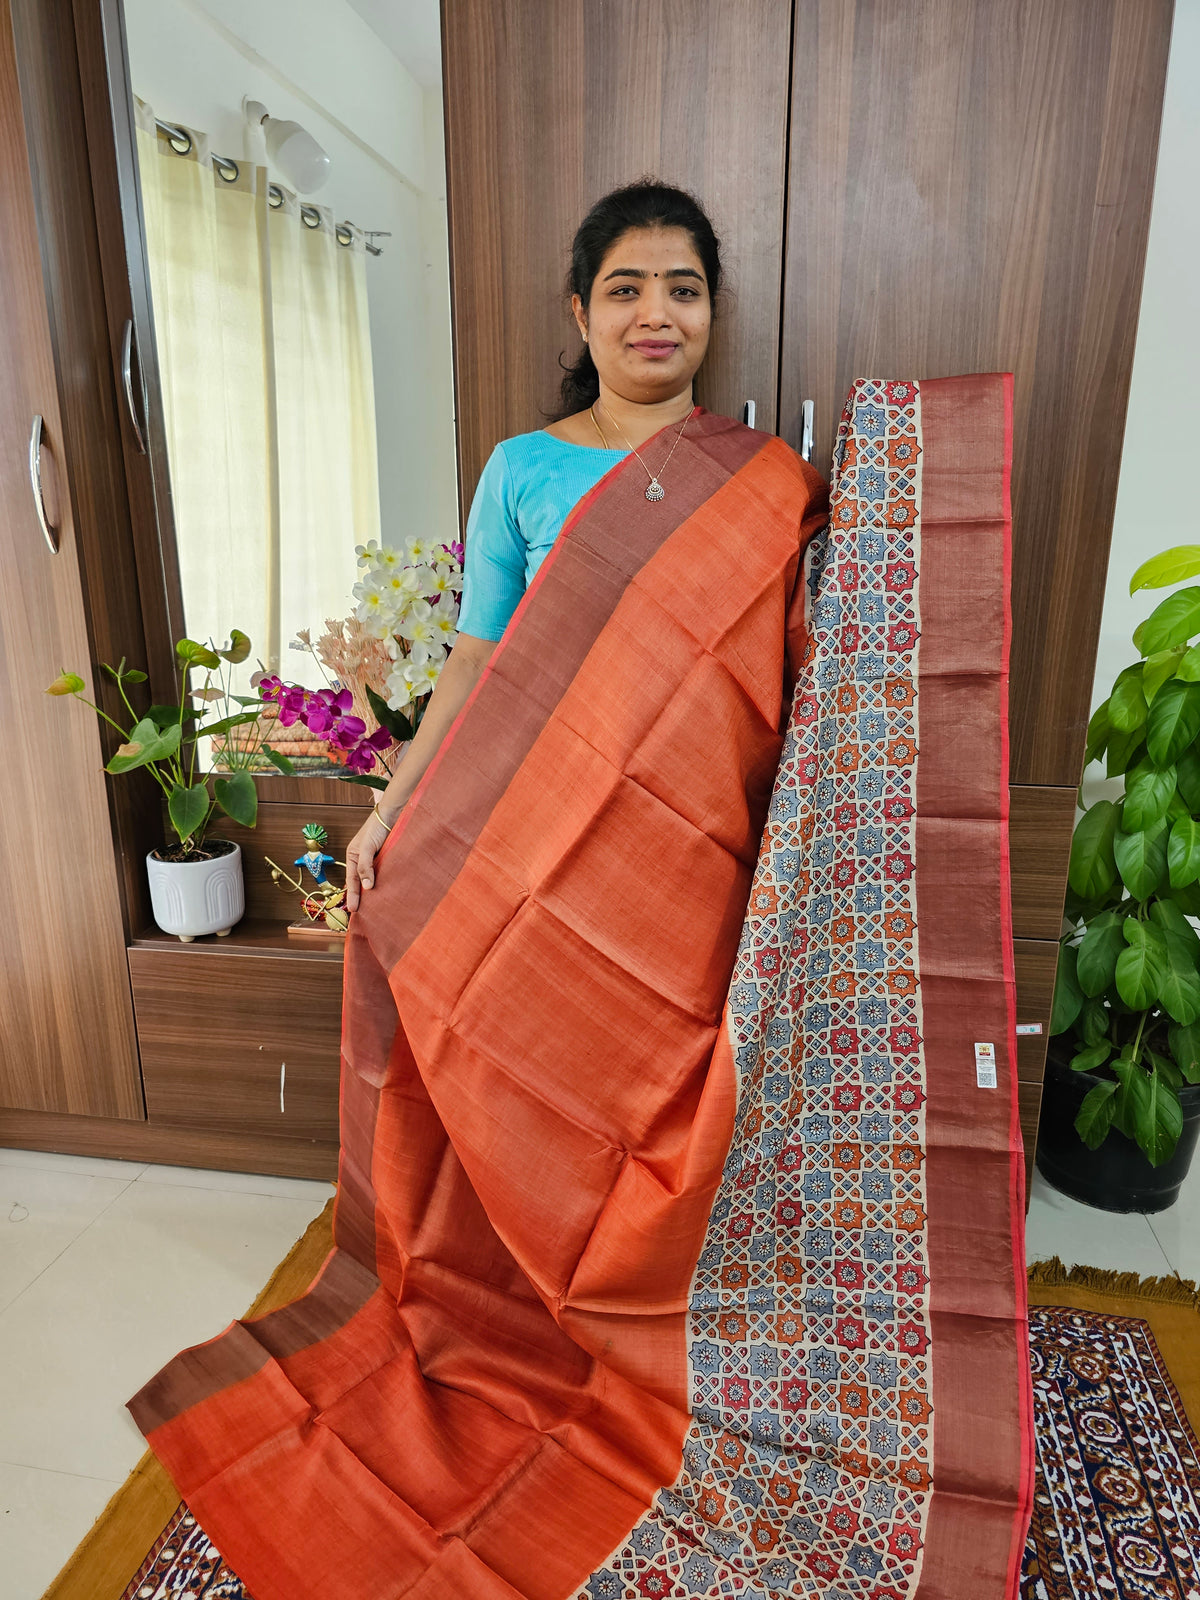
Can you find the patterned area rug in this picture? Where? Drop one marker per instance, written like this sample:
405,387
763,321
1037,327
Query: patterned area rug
1116,1510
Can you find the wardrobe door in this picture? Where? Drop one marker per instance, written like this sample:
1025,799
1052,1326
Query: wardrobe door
66,1024
970,185
550,106
969,191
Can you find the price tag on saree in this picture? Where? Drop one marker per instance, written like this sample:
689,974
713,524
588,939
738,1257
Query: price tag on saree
985,1066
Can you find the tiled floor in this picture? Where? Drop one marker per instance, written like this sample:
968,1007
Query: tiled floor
107,1268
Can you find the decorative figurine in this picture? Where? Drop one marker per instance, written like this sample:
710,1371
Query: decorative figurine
325,906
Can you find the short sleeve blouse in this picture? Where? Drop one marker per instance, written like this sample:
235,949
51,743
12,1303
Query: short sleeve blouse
527,490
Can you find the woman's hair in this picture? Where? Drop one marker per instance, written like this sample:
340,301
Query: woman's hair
644,204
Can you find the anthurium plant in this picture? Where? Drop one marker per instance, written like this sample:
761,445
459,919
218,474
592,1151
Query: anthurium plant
1128,986
164,740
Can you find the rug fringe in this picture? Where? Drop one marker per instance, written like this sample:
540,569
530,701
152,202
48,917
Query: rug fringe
1053,1274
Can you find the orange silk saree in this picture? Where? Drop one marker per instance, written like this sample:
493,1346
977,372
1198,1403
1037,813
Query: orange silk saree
678,1234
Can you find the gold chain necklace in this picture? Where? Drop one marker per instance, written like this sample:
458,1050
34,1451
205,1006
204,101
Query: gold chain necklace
654,489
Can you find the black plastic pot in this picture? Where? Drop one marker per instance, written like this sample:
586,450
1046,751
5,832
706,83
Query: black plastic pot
1117,1176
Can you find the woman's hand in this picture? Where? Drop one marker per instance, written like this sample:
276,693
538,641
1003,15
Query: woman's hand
360,859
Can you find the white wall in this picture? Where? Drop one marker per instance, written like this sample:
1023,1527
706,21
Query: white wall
1157,505
317,62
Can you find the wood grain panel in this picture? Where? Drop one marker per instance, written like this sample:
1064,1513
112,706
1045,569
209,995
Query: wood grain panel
177,1147
66,1024
238,1043
1036,961
67,226
970,192
1040,824
550,106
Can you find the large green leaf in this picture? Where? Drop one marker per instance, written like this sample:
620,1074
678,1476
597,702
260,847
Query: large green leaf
1159,669
1093,868
238,798
1141,858
1095,1115
1097,959
1099,730
1168,566
1095,1055
1141,965
1068,997
1183,851
1167,1067
1173,621
1171,919
1148,791
1123,751
146,742
1093,1022
239,647
1172,722
1185,1047
1127,703
1153,1110
1189,665
187,808
196,655
1179,990
1187,775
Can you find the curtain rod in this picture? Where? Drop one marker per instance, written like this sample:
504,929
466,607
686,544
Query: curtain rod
310,214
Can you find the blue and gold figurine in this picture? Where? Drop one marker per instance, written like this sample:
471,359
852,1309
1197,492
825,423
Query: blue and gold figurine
325,905
313,860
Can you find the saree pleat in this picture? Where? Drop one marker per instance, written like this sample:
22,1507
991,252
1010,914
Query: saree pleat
677,1238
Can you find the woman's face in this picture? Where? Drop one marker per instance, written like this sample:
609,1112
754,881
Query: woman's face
649,315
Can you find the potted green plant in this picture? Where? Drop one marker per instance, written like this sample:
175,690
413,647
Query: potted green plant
196,884
1121,1106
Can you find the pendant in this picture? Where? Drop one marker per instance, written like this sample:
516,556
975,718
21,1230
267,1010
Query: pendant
655,490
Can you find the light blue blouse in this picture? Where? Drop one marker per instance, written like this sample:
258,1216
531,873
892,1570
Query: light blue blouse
526,492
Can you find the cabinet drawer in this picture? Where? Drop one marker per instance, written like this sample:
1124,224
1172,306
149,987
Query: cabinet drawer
239,1043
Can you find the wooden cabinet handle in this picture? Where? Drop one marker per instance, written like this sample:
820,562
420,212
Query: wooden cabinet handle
35,478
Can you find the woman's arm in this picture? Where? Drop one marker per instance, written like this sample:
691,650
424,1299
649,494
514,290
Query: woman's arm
458,677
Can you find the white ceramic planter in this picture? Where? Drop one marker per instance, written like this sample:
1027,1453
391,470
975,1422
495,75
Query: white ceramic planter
190,898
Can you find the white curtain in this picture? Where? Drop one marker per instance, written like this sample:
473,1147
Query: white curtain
264,356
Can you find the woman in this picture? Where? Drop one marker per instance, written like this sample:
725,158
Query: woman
669,1207
645,273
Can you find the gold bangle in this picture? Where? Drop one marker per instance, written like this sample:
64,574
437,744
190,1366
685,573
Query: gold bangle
378,815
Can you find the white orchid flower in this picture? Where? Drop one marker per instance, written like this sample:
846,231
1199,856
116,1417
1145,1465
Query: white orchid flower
419,549
422,676
445,626
443,579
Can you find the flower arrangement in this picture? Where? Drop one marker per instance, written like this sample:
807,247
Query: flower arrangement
1128,984
164,740
381,663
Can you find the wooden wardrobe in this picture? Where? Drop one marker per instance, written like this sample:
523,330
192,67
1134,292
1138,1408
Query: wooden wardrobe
917,187
908,188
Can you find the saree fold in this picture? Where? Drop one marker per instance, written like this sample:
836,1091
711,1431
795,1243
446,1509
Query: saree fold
677,1243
